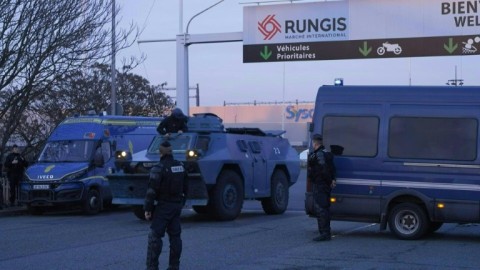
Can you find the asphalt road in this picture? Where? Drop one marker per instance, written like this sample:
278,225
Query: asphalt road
117,240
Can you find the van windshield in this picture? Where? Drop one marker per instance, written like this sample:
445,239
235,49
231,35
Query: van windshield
67,151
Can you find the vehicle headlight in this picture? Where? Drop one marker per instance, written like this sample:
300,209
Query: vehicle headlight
74,176
122,160
122,155
193,154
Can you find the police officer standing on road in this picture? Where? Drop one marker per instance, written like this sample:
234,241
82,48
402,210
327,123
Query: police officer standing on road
15,166
167,186
321,171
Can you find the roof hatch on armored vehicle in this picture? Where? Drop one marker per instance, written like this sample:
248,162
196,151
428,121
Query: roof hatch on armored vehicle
205,122
246,131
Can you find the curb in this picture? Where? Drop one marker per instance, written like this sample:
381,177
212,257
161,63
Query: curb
12,211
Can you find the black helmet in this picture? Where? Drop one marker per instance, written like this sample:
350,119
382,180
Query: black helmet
317,137
165,148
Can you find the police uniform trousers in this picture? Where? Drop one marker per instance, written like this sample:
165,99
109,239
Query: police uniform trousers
166,218
14,182
321,195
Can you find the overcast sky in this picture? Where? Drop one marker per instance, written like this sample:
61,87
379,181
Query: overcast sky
223,77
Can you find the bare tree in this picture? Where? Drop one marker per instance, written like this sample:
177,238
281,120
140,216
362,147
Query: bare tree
81,91
42,40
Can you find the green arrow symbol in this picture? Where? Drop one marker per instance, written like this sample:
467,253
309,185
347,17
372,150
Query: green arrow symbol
266,53
365,50
450,47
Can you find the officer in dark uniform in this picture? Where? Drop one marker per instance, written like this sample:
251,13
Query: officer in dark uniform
176,122
321,171
167,186
15,166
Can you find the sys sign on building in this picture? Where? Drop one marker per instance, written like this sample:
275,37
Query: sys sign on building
359,29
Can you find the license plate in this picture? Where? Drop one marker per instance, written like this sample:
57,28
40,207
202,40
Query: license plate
41,186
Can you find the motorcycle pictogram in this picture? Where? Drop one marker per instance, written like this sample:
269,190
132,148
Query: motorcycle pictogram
387,47
468,47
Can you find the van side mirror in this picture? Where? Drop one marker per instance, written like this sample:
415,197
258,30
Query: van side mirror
98,160
337,150
310,127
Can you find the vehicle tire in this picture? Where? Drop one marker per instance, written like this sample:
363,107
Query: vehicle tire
93,202
227,196
397,50
381,51
200,209
139,212
278,201
408,221
434,226
35,210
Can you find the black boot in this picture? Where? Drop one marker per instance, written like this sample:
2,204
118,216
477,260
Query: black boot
323,220
323,237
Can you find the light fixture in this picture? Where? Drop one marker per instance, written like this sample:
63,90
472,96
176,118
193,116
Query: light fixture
338,82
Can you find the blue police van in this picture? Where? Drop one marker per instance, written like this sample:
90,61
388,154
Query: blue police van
77,156
406,157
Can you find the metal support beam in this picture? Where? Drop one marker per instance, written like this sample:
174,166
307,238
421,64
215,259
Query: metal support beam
183,41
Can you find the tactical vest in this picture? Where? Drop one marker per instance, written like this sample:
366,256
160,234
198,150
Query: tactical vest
169,177
319,165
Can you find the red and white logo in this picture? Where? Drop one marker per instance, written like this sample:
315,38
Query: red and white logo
269,27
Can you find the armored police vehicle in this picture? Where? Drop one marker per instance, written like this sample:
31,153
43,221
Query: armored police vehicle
71,168
406,156
225,166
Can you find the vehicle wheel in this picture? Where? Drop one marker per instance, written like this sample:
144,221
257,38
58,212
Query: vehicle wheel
278,202
227,196
92,203
35,210
139,212
381,51
408,221
200,209
434,226
397,50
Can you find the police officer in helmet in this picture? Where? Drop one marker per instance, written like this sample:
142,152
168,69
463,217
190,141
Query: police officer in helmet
167,186
321,171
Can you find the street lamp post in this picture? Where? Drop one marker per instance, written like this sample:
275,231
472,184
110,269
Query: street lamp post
182,70
113,98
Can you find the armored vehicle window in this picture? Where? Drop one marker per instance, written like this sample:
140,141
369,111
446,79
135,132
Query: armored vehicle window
242,145
202,143
255,146
358,135
179,144
433,138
